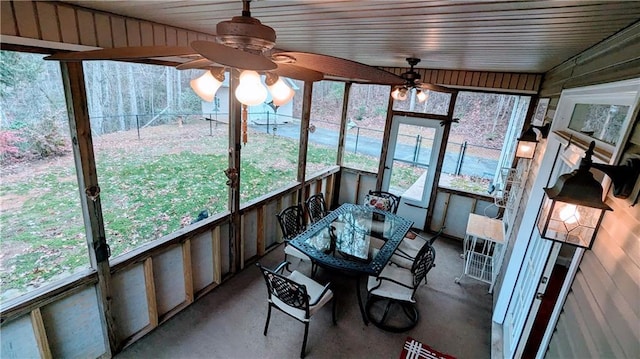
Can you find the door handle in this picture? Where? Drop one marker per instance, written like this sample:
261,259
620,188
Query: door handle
414,205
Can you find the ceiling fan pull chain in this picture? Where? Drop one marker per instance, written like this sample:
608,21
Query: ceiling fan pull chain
244,124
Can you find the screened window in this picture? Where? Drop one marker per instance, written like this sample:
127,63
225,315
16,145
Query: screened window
160,161
326,116
366,116
269,159
476,147
42,235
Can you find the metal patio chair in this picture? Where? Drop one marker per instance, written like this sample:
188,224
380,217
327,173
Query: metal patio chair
297,296
391,300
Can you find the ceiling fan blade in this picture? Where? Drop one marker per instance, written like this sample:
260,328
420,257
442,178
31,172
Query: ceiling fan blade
229,56
298,73
123,53
195,64
343,68
433,87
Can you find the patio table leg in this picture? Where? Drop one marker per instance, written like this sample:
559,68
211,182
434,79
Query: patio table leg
362,311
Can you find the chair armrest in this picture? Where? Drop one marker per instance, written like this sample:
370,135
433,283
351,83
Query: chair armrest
281,267
324,291
399,252
380,279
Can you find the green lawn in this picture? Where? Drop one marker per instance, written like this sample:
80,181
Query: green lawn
150,187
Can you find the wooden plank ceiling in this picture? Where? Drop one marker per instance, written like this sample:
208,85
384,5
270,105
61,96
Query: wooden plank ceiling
506,36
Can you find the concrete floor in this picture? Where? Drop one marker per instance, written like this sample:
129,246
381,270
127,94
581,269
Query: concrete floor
228,322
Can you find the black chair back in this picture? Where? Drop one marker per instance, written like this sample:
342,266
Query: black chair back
286,290
425,260
291,220
316,207
435,236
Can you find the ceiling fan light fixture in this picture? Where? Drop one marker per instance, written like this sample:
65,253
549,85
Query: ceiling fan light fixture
207,85
422,96
279,90
399,94
250,91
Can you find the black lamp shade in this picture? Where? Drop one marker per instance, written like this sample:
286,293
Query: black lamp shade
573,209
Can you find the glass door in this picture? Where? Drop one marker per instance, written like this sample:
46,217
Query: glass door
409,171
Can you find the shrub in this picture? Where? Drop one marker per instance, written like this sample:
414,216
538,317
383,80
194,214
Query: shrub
9,150
45,139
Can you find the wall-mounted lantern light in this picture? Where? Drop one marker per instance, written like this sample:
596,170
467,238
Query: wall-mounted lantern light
572,209
528,140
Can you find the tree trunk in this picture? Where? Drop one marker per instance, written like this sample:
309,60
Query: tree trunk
95,95
120,98
133,96
169,86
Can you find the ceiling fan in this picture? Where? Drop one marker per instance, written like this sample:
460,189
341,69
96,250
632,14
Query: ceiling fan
245,43
413,81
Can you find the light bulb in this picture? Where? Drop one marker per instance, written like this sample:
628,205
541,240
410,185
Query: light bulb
250,91
569,214
280,91
207,85
396,93
402,94
422,96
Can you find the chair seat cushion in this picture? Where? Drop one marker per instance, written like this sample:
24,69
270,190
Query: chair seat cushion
407,248
415,243
389,289
293,251
314,290
401,261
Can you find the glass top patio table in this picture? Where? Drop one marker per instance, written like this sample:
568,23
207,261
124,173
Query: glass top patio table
353,238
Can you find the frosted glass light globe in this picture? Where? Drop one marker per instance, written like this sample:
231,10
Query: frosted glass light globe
250,91
281,92
206,86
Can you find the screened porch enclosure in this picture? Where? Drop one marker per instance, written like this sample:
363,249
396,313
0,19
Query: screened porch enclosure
128,204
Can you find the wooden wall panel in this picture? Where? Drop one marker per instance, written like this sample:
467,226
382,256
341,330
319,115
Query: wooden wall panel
26,19
224,249
87,28
439,211
18,340
73,326
271,229
103,30
146,33
457,215
480,80
169,279
133,32
202,261
182,38
65,23
8,22
250,235
129,307
119,32
159,34
48,21
615,59
171,36
68,25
